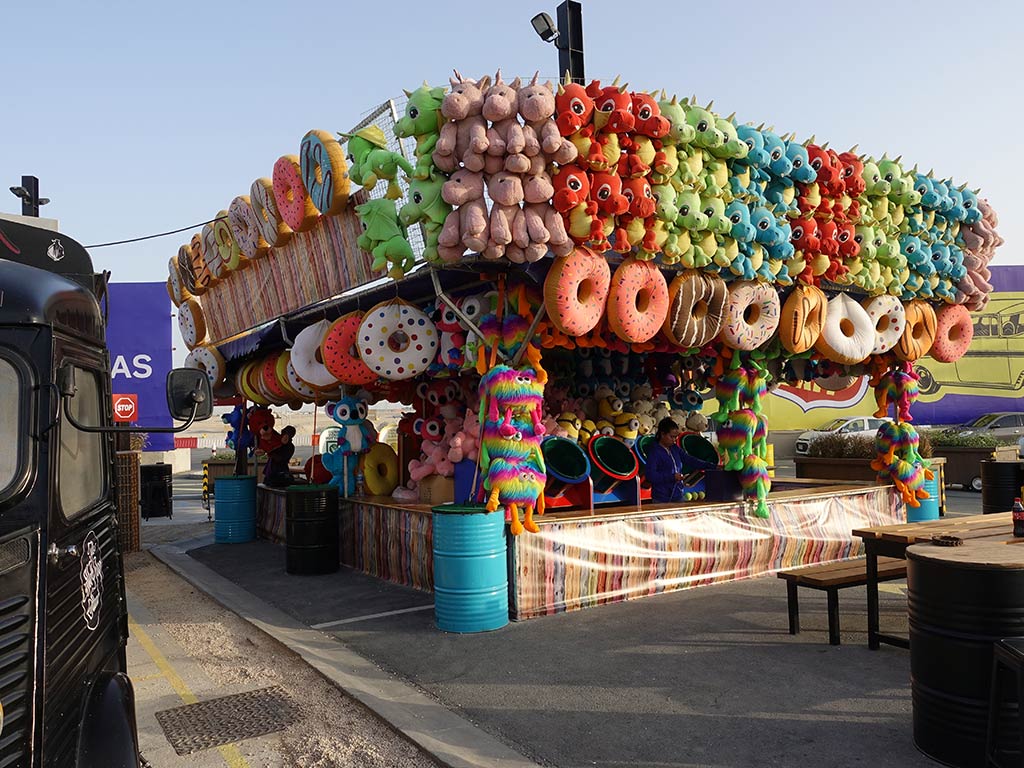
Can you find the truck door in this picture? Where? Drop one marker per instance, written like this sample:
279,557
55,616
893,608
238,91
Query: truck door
86,624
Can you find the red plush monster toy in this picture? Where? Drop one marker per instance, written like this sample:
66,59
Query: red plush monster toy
606,193
613,117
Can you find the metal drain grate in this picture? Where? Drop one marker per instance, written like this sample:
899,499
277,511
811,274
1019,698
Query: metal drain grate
207,724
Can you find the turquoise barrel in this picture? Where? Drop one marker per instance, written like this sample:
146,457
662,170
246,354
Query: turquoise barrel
929,509
698,452
566,463
234,510
613,462
642,448
470,569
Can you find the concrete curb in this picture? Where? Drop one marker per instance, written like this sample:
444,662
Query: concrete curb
451,740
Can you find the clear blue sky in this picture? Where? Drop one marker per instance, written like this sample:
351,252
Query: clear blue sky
140,118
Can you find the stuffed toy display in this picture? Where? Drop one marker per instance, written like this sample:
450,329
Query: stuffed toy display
356,437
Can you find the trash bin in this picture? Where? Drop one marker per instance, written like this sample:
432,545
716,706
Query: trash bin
311,529
155,491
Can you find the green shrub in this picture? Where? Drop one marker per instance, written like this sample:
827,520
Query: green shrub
956,439
837,446
223,454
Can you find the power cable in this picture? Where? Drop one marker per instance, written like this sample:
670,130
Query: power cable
162,234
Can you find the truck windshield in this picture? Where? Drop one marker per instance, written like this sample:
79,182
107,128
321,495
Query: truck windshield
11,436
83,465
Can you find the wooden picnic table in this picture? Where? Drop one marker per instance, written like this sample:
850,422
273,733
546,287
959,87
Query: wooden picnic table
893,540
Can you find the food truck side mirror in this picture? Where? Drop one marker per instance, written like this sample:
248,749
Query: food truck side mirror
188,389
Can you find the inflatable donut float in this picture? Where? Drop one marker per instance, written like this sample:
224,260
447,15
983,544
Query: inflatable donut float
848,334
919,335
306,393
215,266
192,323
887,313
261,197
245,387
271,384
803,315
230,254
245,227
696,308
306,357
324,172
637,301
187,273
380,469
397,341
207,358
751,315
575,291
200,271
293,202
176,287
340,352
954,331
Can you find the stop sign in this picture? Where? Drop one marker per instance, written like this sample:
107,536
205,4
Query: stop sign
126,407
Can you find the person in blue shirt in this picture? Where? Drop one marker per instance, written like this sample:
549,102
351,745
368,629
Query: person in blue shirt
665,463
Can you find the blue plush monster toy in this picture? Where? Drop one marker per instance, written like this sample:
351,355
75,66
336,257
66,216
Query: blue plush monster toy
356,436
802,171
972,213
237,440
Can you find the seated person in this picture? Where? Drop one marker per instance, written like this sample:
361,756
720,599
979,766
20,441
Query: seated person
276,472
665,463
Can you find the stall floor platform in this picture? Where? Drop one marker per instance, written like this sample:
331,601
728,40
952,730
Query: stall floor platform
705,677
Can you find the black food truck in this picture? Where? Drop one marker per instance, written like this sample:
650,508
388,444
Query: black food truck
65,697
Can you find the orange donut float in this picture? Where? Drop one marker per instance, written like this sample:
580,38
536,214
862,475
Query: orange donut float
696,308
954,331
341,354
919,335
293,200
637,301
803,316
269,380
751,315
575,291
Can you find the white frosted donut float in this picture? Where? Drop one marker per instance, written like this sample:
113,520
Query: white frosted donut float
306,392
954,331
575,291
175,285
696,308
751,315
192,323
293,201
206,358
324,172
211,254
397,341
230,254
261,197
245,228
848,334
306,356
887,313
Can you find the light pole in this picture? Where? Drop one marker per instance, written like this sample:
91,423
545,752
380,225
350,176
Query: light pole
567,37
29,194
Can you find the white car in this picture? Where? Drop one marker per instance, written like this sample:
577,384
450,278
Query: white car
855,426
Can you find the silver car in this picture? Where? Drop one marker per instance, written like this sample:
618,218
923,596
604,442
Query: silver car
1005,425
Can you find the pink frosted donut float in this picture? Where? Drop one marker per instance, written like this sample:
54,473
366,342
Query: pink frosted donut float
954,331
292,198
637,301
575,291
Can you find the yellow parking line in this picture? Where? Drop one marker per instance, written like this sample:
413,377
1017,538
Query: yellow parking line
229,752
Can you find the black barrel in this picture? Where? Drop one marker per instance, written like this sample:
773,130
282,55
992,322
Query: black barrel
311,529
1000,485
155,490
961,600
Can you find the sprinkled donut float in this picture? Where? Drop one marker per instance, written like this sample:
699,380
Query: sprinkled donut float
340,351
397,340
637,301
751,315
889,317
575,291
954,331
291,195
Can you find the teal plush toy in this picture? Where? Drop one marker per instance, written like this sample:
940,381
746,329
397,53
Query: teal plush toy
426,205
370,160
423,120
385,237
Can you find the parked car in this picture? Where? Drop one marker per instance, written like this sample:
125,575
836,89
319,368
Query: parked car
1003,425
855,426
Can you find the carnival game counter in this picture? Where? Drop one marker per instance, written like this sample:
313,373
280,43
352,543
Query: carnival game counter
579,559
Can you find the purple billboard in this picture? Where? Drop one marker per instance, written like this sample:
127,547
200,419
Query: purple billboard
139,338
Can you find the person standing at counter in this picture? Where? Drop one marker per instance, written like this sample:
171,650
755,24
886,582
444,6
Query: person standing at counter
665,464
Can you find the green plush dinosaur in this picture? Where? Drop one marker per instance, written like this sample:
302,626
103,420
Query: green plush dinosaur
423,120
427,206
370,160
385,237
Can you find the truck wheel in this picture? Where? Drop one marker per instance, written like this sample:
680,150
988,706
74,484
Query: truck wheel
976,483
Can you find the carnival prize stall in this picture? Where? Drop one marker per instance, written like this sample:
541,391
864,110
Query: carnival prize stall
543,272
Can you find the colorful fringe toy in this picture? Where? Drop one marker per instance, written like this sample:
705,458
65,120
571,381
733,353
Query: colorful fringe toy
899,388
899,460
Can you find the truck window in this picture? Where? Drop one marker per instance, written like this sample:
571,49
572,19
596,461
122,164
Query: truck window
11,436
83,461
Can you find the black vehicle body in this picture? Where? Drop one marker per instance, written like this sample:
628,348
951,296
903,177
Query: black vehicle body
66,697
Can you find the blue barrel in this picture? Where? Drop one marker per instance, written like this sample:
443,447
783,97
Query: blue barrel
470,569
234,510
929,509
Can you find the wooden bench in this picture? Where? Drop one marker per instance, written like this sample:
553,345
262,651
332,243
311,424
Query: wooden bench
831,577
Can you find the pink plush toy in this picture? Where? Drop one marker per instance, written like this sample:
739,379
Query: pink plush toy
463,138
506,192
466,442
506,141
466,226
537,108
542,226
